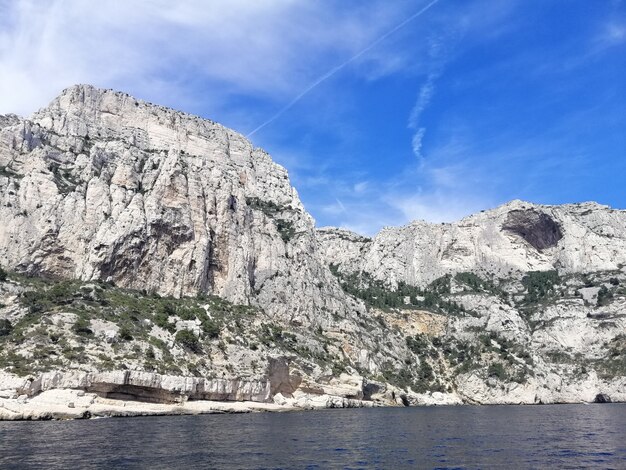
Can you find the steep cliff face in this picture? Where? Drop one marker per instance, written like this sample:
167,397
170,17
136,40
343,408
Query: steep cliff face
99,185
514,238
134,223
156,256
534,297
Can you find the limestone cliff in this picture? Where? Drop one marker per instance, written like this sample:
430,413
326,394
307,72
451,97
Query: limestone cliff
99,185
534,295
156,256
514,238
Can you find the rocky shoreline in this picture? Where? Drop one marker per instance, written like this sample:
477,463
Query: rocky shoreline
82,395
75,404
64,404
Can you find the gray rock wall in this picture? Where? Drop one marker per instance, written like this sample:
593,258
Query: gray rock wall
99,185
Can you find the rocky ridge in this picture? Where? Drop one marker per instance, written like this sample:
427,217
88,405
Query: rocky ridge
156,257
514,238
101,185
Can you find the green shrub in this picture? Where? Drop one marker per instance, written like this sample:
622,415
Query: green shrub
16,363
5,327
125,334
417,344
285,228
539,284
441,285
497,370
189,340
186,313
269,208
161,319
43,298
425,372
211,329
471,280
604,296
82,327
272,210
3,275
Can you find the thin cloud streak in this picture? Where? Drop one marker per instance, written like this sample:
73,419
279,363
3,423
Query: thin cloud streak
178,55
339,67
425,95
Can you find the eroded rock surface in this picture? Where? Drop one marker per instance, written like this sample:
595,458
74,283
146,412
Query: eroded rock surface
537,228
99,185
159,263
514,238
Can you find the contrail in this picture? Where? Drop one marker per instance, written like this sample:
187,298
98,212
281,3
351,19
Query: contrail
336,69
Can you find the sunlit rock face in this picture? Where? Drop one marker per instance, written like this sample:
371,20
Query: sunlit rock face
524,303
99,185
516,237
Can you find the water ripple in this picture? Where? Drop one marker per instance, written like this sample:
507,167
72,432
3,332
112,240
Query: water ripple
563,436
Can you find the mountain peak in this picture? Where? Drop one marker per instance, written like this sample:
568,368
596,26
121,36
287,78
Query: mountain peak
87,111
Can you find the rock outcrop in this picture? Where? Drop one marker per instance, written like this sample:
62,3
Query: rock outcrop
158,263
515,238
99,185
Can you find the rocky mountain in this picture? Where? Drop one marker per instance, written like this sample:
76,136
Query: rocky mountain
542,287
156,256
515,238
101,186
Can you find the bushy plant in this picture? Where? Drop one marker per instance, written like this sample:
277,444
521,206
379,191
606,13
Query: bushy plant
5,327
496,369
188,340
539,284
125,334
604,296
417,344
82,327
211,329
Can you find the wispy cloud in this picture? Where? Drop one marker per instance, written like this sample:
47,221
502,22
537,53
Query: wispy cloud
360,187
181,53
344,64
423,99
425,95
494,99
614,33
437,206
436,58
336,208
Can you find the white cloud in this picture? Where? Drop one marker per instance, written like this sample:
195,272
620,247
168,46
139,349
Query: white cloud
423,99
335,208
361,187
438,206
416,142
168,51
614,33
437,56
395,207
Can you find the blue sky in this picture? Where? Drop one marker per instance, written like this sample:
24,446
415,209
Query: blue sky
466,106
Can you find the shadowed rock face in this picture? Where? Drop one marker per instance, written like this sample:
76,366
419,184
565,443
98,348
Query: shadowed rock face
135,393
537,228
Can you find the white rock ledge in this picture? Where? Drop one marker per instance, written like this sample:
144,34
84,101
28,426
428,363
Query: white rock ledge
75,404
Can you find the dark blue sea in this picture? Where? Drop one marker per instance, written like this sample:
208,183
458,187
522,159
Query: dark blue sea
499,437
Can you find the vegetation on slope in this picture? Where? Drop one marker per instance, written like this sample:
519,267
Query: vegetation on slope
376,293
61,324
